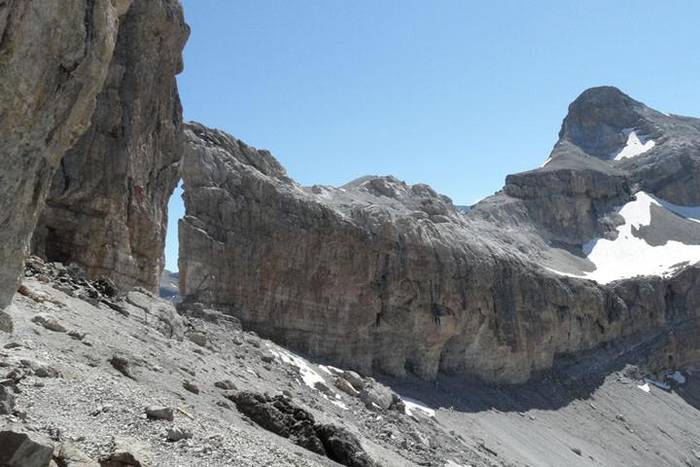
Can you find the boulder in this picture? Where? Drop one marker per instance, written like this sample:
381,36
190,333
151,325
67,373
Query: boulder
280,416
49,322
69,455
198,338
343,447
357,381
177,433
226,385
127,452
7,401
345,386
6,322
157,412
190,387
20,448
122,364
377,396
40,369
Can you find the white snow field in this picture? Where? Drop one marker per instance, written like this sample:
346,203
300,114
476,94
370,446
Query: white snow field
634,146
628,255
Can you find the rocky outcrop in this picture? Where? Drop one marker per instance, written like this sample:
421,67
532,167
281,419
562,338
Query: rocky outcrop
599,123
280,416
570,204
54,59
597,120
379,275
107,208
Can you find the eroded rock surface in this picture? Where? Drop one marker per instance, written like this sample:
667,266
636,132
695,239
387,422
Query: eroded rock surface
107,208
54,59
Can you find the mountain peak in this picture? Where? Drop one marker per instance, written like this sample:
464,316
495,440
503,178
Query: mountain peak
601,118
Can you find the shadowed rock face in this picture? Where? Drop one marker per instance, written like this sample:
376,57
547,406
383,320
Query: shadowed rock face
107,207
54,58
383,276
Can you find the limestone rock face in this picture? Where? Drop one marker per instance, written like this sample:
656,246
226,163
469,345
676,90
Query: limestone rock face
382,276
107,207
569,203
54,59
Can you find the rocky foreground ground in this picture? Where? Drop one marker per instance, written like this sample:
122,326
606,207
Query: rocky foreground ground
90,377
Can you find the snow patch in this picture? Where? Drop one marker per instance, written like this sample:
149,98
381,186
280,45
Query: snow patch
634,147
340,404
331,370
630,256
678,377
451,463
308,374
412,404
658,384
562,273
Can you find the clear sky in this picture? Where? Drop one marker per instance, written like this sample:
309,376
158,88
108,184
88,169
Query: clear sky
453,93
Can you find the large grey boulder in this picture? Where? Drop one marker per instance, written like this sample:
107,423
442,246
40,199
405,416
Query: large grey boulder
377,396
107,207
19,448
54,59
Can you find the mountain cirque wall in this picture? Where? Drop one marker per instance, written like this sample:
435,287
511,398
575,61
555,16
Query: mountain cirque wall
382,276
54,58
107,207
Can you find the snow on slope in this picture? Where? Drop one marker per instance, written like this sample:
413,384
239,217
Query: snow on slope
413,404
634,146
628,255
308,375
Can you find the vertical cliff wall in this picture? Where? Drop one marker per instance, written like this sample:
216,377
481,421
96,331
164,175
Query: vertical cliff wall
107,207
54,58
379,275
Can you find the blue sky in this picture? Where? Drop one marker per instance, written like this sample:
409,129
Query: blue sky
453,93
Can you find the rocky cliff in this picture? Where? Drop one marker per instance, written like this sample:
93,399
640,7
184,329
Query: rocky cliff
54,59
107,206
382,276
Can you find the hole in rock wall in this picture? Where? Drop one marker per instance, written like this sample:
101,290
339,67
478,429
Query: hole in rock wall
170,277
